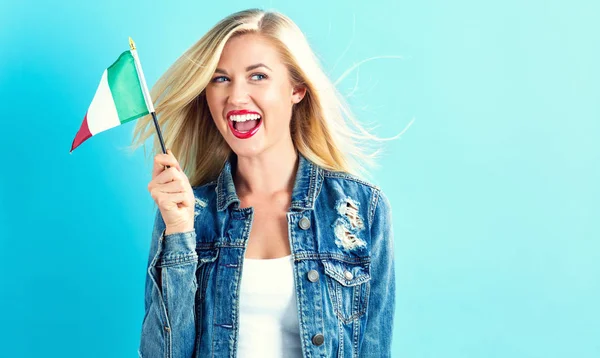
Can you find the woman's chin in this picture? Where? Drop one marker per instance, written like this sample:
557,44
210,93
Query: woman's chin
246,148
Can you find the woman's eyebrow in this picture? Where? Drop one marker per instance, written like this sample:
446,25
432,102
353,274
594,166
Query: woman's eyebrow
253,67
249,68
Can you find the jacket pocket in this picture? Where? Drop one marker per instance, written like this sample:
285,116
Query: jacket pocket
348,285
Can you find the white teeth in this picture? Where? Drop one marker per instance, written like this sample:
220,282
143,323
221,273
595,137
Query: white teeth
244,117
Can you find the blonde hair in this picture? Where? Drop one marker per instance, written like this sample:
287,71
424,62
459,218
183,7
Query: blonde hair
322,126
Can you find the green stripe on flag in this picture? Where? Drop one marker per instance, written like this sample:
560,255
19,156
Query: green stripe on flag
126,89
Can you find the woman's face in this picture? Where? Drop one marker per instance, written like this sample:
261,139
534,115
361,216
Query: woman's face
250,96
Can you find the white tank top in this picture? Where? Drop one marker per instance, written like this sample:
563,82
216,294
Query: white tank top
269,326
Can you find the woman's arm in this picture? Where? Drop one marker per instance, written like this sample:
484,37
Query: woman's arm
169,328
377,340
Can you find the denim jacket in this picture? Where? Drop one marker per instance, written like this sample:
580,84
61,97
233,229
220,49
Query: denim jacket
340,234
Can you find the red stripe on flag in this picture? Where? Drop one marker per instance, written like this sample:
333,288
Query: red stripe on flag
82,135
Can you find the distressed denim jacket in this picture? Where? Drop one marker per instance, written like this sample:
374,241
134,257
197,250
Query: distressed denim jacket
340,234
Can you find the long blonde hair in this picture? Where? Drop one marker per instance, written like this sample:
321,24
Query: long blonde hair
322,126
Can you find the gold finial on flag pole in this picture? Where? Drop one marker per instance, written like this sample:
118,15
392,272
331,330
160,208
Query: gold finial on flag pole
131,43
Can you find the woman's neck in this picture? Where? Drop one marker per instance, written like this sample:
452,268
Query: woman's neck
272,172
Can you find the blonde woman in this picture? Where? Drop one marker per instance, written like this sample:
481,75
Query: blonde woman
266,242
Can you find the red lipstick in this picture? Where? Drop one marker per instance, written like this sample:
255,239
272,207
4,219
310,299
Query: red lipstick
245,134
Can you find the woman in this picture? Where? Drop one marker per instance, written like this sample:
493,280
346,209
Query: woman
265,243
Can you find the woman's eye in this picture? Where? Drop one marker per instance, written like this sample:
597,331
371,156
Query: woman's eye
219,79
258,76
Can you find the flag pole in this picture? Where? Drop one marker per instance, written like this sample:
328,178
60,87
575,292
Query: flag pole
147,98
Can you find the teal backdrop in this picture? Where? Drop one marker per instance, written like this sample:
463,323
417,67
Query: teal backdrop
494,182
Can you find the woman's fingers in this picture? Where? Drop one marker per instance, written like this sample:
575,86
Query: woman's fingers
170,201
170,174
162,160
172,187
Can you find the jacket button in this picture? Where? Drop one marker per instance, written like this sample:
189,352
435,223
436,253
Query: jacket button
313,276
304,223
318,339
348,275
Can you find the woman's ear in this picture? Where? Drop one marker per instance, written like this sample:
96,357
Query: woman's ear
298,94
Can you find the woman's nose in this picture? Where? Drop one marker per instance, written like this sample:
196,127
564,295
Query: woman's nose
238,94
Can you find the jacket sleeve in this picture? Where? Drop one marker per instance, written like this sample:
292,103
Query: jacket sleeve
377,341
168,327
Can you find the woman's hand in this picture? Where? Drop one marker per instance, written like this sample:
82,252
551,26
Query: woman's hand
172,192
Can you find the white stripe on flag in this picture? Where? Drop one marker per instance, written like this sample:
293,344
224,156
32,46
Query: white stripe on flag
102,113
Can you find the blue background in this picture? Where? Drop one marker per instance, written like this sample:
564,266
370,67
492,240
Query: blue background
494,186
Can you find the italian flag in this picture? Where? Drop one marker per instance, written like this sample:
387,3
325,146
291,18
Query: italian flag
118,99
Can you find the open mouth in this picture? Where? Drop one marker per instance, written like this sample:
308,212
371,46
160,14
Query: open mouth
244,125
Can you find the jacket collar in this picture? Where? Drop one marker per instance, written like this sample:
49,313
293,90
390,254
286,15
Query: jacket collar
307,183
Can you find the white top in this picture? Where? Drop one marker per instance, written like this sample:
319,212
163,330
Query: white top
269,326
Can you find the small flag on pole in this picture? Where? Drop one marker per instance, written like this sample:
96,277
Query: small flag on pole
122,96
